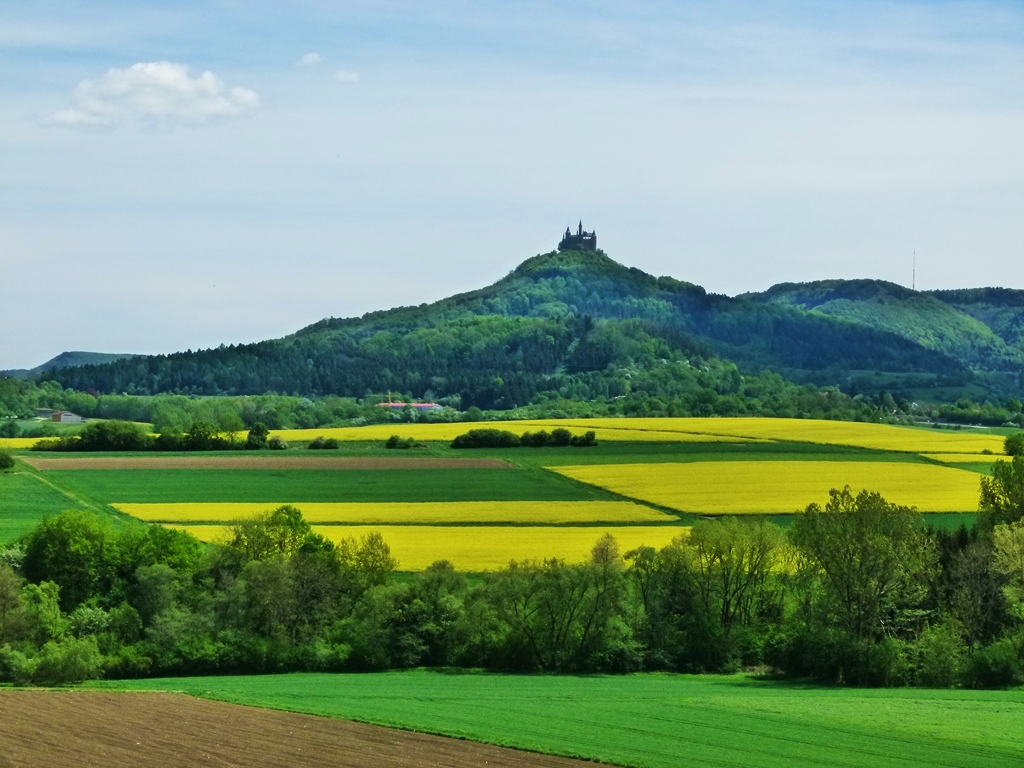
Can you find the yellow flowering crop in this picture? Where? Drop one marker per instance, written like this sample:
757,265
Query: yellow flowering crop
448,432
537,512
716,429
14,443
482,548
876,436
738,487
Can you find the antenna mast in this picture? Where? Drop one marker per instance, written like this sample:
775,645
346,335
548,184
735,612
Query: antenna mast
913,279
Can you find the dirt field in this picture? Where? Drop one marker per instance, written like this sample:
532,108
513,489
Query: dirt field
263,462
139,730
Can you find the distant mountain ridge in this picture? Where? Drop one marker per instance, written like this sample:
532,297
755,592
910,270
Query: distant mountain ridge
68,360
580,314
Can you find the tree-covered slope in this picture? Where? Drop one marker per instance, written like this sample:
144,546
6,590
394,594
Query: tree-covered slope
1001,309
69,360
935,321
577,323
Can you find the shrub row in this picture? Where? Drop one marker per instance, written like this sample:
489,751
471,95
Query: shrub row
499,438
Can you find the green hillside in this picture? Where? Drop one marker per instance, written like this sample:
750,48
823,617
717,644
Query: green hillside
1001,309
69,360
923,318
582,326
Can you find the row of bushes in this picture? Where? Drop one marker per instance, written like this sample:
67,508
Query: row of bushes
322,443
116,435
499,438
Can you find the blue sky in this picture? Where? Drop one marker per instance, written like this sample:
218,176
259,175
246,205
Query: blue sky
183,174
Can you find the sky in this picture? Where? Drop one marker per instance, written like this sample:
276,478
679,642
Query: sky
183,174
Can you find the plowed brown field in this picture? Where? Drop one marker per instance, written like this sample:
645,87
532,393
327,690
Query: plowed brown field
263,462
61,729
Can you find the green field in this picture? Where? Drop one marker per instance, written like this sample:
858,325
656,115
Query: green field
656,720
24,500
246,485
656,453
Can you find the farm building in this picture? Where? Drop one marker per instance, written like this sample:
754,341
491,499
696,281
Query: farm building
67,417
415,406
44,413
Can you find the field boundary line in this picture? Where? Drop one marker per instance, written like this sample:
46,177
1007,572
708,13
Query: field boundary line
312,463
642,502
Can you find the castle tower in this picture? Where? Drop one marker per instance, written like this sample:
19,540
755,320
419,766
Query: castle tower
581,241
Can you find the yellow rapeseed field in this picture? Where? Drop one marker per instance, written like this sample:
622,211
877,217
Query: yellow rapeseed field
876,436
738,487
14,443
482,548
537,512
448,432
716,429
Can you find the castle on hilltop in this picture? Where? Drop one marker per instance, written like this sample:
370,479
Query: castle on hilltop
581,241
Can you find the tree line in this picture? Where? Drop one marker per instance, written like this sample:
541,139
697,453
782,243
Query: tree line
646,386
857,592
117,435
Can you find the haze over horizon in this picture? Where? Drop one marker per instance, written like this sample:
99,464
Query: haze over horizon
181,175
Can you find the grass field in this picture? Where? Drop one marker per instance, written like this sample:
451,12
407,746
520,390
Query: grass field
25,500
656,721
965,458
518,512
172,485
482,548
782,486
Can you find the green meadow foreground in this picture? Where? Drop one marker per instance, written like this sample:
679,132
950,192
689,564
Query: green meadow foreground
655,720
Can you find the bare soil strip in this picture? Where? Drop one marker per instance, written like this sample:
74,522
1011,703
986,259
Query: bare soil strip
61,729
263,462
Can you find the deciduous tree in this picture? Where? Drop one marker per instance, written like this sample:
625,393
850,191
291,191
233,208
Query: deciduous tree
1002,494
871,558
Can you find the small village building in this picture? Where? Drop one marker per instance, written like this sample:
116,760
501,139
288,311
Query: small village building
66,417
415,406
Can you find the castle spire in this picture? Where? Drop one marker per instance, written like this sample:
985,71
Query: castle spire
580,241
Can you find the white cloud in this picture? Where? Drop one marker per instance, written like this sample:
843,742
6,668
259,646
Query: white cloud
310,59
159,92
344,76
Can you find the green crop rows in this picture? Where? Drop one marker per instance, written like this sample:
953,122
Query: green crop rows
655,720
24,500
296,486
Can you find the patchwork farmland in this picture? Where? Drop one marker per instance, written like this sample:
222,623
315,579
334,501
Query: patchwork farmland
479,510
645,482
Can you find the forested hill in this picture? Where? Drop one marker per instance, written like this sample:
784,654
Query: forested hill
68,360
983,328
581,325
